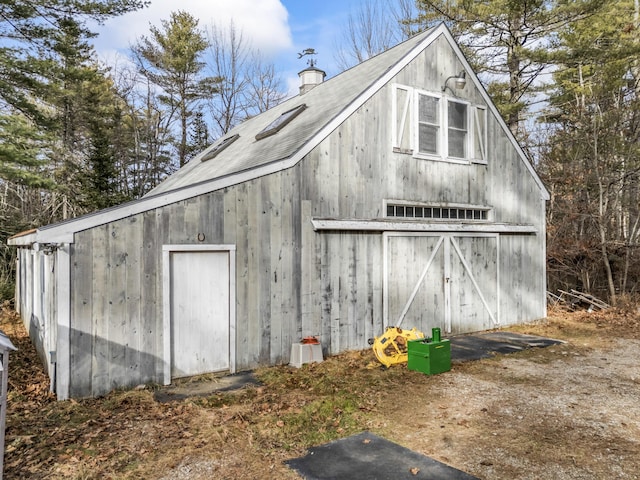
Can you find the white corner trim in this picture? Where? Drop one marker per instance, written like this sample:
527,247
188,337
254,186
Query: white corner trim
63,307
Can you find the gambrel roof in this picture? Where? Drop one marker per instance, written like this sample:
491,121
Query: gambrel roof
239,156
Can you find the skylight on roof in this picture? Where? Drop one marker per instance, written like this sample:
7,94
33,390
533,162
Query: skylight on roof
220,147
279,123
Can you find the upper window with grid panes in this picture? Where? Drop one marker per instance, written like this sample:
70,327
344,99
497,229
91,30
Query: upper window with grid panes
438,127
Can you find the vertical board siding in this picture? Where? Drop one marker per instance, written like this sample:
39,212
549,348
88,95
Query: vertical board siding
36,300
81,328
292,281
351,289
265,212
116,308
136,366
309,315
100,318
275,255
239,218
296,227
150,311
253,311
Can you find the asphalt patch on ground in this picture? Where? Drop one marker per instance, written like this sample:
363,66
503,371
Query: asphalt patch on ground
486,345
368,457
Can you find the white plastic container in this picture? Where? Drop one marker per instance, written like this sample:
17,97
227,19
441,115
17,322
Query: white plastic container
302,353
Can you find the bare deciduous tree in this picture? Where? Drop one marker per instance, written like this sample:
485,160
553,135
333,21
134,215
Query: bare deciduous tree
375,26
249,85
265,87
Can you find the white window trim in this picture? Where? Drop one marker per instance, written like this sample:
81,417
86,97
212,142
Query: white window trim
405,115
416,126
443,138
468,148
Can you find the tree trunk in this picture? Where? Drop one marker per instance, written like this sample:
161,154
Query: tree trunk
607,266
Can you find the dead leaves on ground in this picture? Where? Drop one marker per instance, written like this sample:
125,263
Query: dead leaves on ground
47,438
110,437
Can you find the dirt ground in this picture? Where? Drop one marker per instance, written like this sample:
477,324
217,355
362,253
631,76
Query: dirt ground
570,411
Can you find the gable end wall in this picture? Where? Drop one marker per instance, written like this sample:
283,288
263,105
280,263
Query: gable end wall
292,281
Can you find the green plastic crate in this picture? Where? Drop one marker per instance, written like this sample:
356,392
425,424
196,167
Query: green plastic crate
429,357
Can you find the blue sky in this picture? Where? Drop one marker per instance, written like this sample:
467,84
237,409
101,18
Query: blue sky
279,28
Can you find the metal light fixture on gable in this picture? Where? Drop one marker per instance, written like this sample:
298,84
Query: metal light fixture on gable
459,83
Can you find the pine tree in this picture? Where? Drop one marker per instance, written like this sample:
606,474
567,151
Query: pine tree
170,59
28,29
83,98
507,41
198,135
592,164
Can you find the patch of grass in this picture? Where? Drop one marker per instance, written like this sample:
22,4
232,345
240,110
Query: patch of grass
219,400
245,433
123,399
321,402
315,423
348,373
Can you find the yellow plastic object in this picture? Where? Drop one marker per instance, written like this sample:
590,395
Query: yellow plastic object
391,347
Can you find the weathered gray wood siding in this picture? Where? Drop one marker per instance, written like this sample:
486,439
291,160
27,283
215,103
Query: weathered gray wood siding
36,300
290,280
355,169
116,316
347,307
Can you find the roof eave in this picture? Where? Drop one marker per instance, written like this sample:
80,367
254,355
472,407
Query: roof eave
64,232
23,239
523,156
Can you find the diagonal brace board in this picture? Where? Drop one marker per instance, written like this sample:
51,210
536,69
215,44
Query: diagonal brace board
473,280
420,280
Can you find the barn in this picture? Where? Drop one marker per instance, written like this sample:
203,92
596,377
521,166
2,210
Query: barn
391,194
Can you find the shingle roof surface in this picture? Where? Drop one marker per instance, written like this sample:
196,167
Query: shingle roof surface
324,103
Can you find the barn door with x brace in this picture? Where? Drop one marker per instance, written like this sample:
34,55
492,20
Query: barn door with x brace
446,280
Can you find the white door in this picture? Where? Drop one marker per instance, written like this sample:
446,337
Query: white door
441,280
199,312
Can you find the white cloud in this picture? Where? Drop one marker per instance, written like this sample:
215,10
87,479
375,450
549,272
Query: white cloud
263,23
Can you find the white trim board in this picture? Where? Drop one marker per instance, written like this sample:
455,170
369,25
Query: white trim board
404,226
